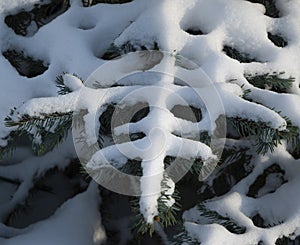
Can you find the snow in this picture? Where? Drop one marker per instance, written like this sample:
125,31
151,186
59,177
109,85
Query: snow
57,158
72,82
273,206
75,42
76,222
40,106
7,6
169,201
286,103
159,141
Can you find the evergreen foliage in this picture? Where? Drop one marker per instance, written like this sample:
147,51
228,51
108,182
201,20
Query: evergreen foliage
88,3
278,40
41,14
237,55
271,8
45,132
273,82
183,237
216,218
266,138
114,51
62,88
25,65
48,130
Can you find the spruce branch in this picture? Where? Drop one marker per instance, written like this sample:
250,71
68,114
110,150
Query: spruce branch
22,207
272,81
233,53
183,237
215,217
25,65
167,214
40,15
8,150
60,84
45,131
114,51
266,138
89,3
278,40
140,225
270,5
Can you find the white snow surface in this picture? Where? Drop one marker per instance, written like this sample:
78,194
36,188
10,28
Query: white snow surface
74,41
76,222
282,205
